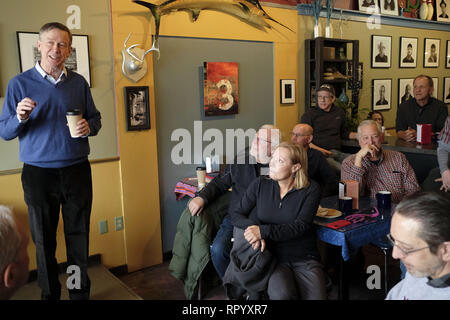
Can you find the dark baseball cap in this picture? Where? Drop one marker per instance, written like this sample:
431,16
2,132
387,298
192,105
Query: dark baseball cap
326,87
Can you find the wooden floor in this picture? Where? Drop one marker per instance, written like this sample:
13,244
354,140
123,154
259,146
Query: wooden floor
104,286
156,283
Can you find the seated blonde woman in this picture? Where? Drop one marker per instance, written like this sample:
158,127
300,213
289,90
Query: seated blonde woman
282,223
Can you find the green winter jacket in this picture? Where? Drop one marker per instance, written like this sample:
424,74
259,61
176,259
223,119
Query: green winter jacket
190,253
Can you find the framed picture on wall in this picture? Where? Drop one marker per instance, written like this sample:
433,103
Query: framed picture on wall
381,51
405,89
137,108
446,93
408,52
447,56
287,91
78,61
435,87
389,7
369,6
381,94
221,88
442,10
431,53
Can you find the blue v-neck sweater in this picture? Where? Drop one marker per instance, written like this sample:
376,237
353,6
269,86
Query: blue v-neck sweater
44,140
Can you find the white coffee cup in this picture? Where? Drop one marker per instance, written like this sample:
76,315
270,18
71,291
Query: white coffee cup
201,177
73,116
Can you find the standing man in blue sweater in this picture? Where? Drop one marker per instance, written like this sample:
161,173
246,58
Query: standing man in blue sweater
56,172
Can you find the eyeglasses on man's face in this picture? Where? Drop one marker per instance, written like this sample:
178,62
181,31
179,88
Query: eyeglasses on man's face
403,251
326,97
298,135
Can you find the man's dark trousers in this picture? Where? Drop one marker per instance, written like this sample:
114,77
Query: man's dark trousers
46,191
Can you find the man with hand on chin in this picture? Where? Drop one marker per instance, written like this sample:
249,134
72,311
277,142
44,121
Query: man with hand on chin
421,109
376,169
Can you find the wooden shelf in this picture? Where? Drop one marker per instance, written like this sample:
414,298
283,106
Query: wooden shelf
400,21
316,65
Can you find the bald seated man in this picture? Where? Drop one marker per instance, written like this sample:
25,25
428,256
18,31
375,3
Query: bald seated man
14,258
318,167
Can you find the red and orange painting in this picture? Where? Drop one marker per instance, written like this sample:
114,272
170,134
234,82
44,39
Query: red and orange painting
221,88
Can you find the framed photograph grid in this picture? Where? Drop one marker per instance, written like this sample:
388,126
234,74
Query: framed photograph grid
435,87
389,7
405,89
381,94
408,52
447,55
446,90
381,51
442,10
431,53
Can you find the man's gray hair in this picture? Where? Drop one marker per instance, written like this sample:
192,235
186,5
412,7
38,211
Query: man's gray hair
369,122
275,137
430,80
10,238
430,209
55,25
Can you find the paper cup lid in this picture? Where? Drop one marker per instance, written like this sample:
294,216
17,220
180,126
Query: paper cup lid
73,112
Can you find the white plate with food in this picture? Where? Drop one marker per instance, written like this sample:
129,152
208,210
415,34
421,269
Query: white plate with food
328,213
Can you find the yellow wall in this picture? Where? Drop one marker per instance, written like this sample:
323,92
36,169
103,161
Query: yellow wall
106,206
129,186
359,30
128,17
138,150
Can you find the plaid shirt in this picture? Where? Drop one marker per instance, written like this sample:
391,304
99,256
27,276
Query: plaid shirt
392,173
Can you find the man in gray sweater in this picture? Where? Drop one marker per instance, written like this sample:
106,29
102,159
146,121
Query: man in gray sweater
420,235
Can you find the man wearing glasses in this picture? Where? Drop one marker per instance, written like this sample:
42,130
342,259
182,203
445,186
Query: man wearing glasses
330,126
318,167
420,235
248,165
378,169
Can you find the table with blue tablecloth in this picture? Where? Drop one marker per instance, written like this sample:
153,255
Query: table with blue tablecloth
370,231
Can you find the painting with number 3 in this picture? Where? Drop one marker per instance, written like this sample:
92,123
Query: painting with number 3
221,88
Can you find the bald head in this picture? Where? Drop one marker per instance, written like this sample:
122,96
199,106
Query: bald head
302,134
14,258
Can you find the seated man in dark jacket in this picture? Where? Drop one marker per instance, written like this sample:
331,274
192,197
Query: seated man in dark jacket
420,109
247,166
318,167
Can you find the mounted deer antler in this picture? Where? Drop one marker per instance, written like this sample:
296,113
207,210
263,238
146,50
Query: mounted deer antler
134,67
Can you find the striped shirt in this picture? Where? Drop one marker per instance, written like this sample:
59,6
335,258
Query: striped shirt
392,173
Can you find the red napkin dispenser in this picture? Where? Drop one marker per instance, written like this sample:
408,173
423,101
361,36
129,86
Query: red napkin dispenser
424,133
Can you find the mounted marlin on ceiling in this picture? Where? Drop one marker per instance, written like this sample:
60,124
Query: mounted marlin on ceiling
248,11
